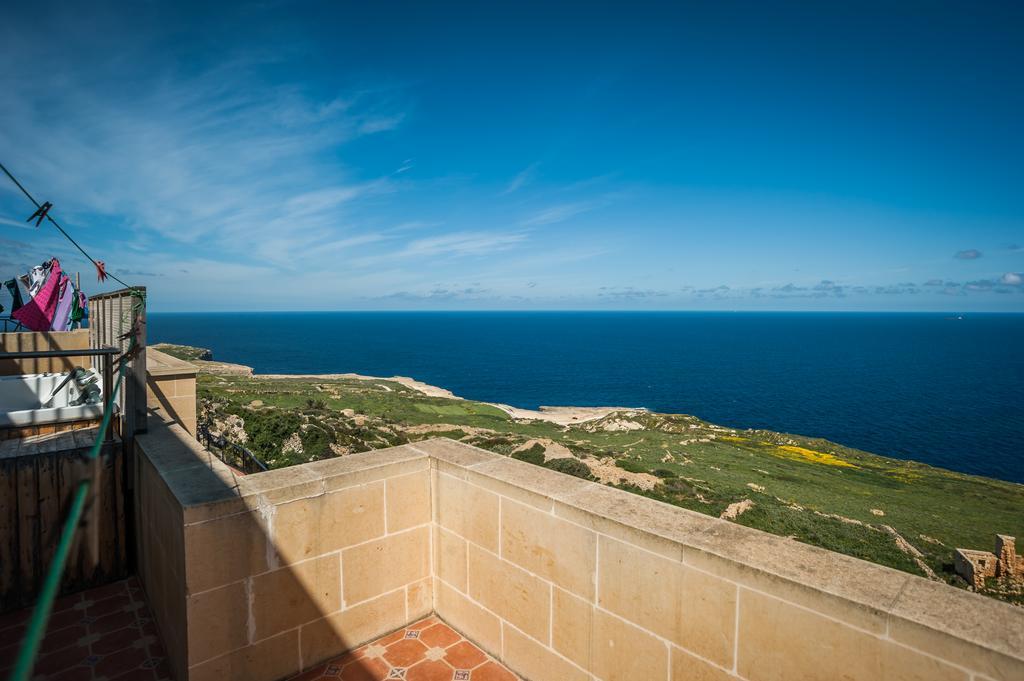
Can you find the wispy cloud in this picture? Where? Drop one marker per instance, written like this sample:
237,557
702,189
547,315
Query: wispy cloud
454,244
222,159
522,178
560,213
969,254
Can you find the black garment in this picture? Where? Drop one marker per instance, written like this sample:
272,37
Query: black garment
12,286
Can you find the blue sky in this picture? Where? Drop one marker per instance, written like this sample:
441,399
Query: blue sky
516,156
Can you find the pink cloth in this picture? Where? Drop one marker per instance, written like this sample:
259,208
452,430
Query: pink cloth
37,314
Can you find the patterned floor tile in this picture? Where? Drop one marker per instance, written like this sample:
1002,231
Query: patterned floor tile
103,633
428,650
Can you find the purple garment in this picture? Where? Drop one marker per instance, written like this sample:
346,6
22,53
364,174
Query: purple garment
62,317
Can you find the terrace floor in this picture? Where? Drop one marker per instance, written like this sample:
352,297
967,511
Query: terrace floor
428,650
102,634
108,634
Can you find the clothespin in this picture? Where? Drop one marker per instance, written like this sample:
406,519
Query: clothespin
40,213
101,270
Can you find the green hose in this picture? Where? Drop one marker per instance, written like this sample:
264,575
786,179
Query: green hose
41,614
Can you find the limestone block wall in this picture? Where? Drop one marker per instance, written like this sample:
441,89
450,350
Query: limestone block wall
261,576
171,388
159,541
273,573
563,579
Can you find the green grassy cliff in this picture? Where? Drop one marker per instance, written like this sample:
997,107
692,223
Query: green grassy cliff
903,514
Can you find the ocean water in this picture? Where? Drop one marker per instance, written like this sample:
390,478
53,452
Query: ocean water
930,387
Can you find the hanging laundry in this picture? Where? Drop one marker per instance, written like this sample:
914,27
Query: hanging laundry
101,270
79,309
62,315
36,278
12,286
37,314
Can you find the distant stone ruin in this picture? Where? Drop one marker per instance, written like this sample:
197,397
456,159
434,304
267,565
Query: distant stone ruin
977,566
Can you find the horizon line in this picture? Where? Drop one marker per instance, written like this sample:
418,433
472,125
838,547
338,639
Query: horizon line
588,310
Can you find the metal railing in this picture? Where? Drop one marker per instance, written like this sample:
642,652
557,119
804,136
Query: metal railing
232,454
110,357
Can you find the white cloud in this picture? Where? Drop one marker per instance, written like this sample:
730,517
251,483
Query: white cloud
560,213
1012,279
454,244
220,160
522,178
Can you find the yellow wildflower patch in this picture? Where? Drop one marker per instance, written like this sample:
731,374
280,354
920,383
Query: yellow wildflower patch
812,456
732,438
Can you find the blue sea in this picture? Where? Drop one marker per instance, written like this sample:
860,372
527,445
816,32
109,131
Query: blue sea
932,387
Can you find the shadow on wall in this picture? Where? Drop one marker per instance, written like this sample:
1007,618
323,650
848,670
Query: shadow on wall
245,573
157,390
45,340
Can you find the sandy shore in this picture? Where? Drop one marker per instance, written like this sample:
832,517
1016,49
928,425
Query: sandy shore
563,416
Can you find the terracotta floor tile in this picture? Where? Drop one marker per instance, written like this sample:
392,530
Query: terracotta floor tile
111,622
136,675
391,638
492,671
440,635
405,653
62,638
366,670
60,660
464,655
120,662
430,671
115,640
73,674
115,603
345,659
434,652
64,618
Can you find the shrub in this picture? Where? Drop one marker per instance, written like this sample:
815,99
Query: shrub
679,486
268,429
631,466
570,467
534,455
316,442
663,473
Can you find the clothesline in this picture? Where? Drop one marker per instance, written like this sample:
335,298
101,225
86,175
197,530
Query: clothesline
43,210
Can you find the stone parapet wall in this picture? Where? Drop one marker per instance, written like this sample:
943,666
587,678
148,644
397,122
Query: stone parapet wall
268,574
171,388
565,579
558,577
